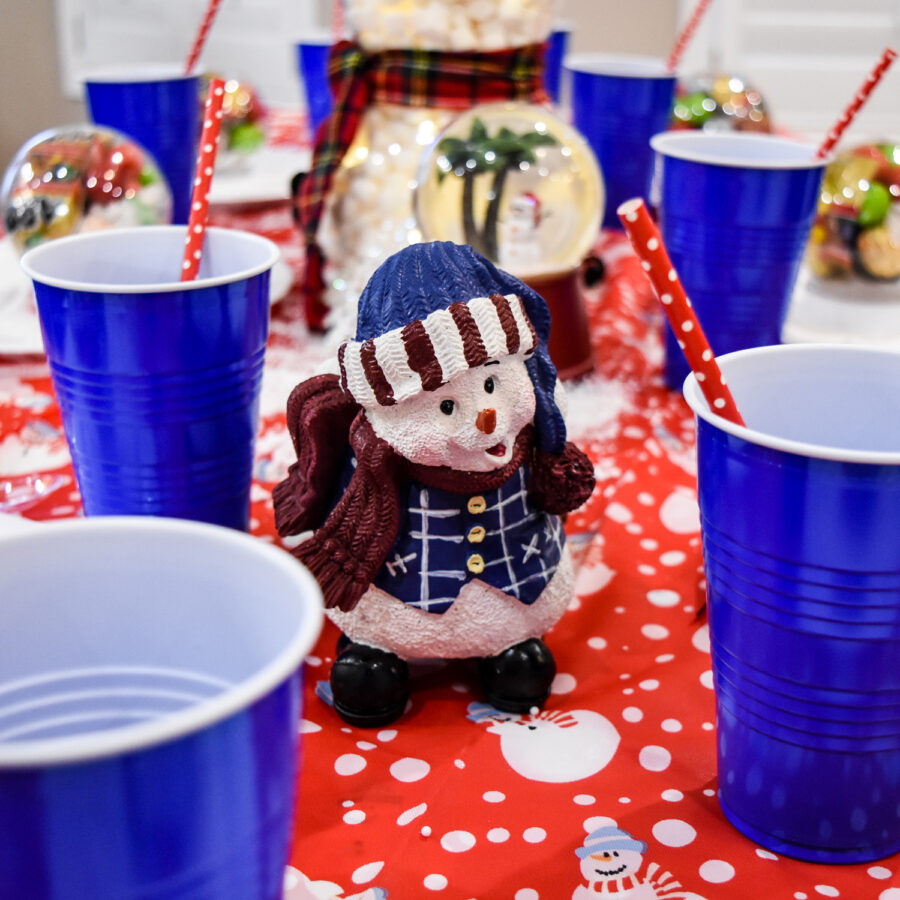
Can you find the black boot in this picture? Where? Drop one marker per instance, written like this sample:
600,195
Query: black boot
519,678
370,686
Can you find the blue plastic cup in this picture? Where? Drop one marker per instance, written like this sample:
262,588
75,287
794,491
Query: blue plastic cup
160,108
557,47
618,104
735,213
157,380
312,63
800,517
149,710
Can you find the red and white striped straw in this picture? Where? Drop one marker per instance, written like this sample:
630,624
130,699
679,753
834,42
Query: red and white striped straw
647,243
856,103
206,160
337,20
686,34
202,32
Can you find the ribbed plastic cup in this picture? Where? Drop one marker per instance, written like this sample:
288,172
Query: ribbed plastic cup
157,380
313,50
618,104
149,701
158,106
800,513
735,212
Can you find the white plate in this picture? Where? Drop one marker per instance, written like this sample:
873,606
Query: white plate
280,281
266,177
851,311
20,329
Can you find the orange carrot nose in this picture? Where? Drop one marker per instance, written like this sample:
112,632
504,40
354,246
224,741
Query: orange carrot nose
486,421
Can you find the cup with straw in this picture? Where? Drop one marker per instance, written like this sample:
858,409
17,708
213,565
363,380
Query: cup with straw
157,104
799,496
158,378
735,211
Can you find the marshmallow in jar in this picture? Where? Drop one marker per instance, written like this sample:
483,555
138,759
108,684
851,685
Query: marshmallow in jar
369,213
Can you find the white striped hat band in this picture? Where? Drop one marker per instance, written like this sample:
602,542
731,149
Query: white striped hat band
429,352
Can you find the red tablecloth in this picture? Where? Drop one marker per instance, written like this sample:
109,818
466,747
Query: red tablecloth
451,802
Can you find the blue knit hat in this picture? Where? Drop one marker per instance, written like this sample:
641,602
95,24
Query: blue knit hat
432,310
609,837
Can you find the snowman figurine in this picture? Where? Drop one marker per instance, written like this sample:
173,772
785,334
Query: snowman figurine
520,245
433,472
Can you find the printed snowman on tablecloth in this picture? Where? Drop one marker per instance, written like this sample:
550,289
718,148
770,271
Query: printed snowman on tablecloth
433,473
610,864
611,860
554,746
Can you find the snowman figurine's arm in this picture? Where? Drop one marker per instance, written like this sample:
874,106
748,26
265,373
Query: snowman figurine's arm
346,552
319,415
561,482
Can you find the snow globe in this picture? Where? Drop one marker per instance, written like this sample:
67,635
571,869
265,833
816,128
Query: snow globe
849,287
80,178
523,188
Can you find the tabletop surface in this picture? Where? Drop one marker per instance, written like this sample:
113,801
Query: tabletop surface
455,800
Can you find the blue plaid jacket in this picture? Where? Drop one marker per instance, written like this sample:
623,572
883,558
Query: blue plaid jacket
445,540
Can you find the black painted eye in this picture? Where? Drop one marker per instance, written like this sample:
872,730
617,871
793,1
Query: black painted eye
447,407
489,385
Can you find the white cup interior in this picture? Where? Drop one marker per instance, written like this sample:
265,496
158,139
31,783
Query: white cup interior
137,73
135,260
744,150
618,64
828,401
120,632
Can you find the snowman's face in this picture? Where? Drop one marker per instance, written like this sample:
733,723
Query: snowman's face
470,423
608,865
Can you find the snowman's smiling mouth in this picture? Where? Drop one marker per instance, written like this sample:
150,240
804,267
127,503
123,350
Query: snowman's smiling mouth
496,450
607,873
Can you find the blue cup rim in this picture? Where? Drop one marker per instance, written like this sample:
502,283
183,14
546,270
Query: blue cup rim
132,738
697,402
735,150
31,261
140,73
618,65
316,37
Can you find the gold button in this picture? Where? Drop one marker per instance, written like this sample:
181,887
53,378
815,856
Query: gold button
477,504
475,564
476,535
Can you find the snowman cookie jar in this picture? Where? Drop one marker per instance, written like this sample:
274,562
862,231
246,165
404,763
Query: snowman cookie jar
433,473
412,66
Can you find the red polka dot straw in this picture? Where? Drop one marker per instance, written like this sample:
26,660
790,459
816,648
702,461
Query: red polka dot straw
209,140
849,114
647,243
